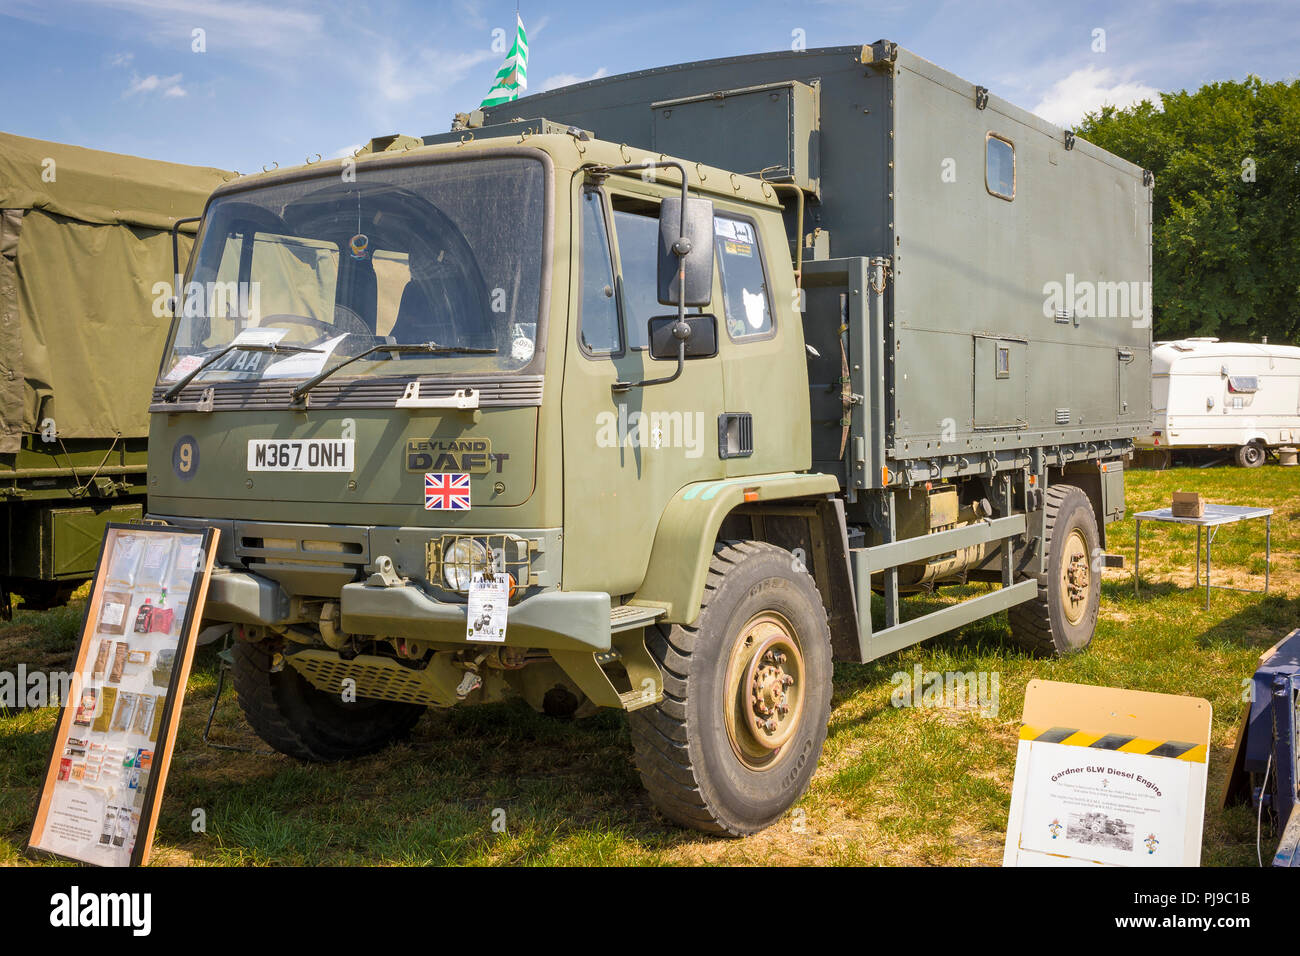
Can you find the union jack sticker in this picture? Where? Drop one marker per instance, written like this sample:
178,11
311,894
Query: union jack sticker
446,492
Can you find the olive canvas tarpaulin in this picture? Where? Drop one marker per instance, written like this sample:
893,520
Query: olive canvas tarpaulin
99,187
84,236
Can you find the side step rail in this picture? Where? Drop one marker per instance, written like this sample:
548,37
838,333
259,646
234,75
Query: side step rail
888,557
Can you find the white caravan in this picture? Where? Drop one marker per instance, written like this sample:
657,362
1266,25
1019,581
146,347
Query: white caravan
1238,396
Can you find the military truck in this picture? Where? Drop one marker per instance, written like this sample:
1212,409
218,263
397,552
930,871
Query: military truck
694,372
84,236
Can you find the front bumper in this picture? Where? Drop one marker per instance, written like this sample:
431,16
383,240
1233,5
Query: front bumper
554,620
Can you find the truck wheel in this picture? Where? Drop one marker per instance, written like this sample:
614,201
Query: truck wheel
1251,455
1062,618
297,719
747,696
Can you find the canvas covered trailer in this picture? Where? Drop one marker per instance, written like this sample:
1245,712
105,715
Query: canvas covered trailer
84,237
1207,394
984,275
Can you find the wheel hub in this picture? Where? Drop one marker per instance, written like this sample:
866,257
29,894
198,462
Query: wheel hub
765,689
1076,577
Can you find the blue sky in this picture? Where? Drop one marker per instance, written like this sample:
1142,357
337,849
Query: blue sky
281,81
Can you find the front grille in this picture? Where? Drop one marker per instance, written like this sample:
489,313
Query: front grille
315,545
494,392
376,678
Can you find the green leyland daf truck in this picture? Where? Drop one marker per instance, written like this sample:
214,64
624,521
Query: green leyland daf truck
84,237
641,393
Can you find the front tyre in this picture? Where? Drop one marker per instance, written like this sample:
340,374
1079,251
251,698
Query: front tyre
297,719
747,696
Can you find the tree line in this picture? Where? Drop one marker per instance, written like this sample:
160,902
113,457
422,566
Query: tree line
1226,229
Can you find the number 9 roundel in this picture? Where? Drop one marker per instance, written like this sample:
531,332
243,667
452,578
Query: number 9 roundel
185,458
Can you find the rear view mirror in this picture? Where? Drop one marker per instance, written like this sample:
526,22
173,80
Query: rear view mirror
701,343
698,262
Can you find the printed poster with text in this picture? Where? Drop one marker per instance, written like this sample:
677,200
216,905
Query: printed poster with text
1108,776
1105,806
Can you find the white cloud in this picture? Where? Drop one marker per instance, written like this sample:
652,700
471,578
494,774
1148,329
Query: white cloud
568,79
346,151
121,59
153,83
399,79
472,12
239,24
1087,90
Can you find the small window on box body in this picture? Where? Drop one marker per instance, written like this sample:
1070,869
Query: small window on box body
1004,362
1000,167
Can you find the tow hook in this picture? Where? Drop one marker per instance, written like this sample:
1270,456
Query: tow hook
468,684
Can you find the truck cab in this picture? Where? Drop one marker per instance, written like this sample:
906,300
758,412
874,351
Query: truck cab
490,309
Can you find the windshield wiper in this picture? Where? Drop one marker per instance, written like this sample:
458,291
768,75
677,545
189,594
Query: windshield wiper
175,390
427,348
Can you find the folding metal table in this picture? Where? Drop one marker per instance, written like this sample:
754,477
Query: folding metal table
1215,517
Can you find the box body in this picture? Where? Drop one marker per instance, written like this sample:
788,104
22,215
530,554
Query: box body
1004,325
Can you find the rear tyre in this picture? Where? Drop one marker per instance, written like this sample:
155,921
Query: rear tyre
1062,618
297,719
1251,455
747,696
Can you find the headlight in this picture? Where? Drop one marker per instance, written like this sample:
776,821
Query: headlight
460,562
456,558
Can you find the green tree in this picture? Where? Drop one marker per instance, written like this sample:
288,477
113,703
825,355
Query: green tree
1226,231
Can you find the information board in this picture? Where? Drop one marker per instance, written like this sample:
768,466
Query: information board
114,739
1108,776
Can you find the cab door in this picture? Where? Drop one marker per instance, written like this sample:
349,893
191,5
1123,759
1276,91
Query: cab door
626,453
760,334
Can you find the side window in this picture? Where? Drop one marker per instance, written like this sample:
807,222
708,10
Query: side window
599,324
748,311
1000,167
638,255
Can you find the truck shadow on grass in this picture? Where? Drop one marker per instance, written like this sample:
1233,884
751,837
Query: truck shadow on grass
495,784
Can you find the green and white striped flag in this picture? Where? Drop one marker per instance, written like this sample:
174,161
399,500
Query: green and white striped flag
513,75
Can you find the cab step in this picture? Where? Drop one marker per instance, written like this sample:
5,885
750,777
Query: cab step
628,617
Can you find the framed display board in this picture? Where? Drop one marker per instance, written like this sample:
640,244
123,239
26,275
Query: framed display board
114,739
1108,776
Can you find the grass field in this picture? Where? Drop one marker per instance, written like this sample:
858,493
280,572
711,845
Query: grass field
895,785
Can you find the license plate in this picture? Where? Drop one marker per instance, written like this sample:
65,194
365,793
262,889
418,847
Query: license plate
306,454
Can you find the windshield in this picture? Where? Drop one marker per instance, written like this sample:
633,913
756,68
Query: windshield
326,268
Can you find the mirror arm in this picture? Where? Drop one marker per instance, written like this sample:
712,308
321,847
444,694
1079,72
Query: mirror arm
681,364
681,248
176,259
